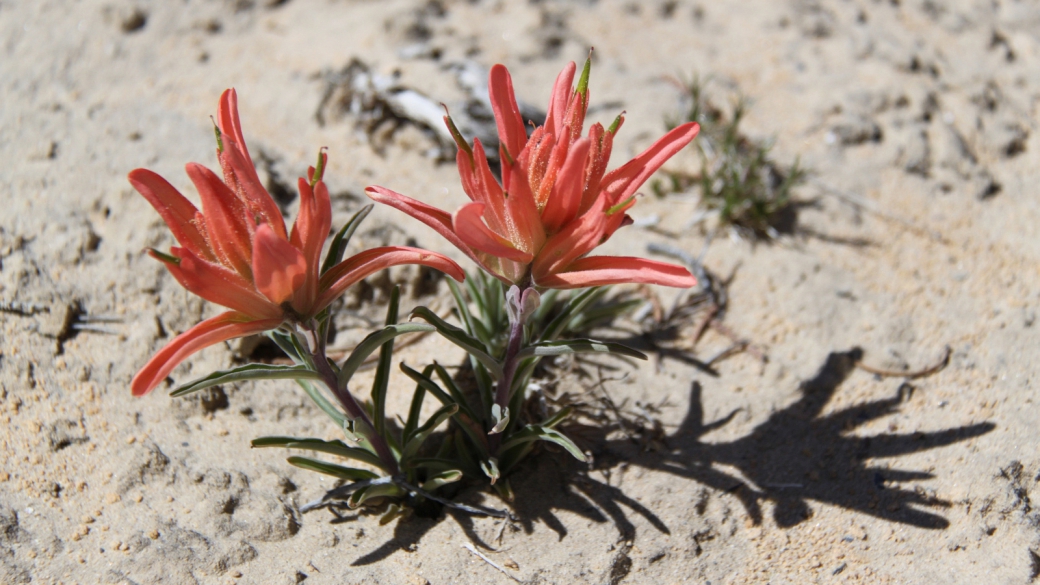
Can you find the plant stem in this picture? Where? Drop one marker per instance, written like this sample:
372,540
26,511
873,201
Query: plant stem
509,365
349,403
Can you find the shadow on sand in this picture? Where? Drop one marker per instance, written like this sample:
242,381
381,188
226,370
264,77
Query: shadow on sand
796,456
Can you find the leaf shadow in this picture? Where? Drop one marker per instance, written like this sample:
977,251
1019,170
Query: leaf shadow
799,455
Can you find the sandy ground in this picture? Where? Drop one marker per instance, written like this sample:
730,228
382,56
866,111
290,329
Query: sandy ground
916,118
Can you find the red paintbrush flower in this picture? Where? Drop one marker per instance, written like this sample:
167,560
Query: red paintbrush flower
556,202
237,253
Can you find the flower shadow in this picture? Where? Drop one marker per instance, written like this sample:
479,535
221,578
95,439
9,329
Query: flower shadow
800,455
797,456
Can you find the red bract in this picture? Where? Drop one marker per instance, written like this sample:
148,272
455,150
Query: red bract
237,253
556,202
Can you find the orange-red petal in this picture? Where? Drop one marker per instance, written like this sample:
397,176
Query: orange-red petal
226,218
511,132
239,171
209,332
218,284
179,214
565,200
469,226
279,269
601,270
340,277
437,219
626,179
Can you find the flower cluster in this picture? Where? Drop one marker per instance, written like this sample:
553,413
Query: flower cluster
556,201
531,231
237,253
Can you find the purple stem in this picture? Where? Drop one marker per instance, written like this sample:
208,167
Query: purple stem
354,410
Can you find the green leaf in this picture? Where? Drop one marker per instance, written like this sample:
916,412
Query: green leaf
361,496
339,243
461,339
558,417
416,407
435,465
504,490
338,448
585,319
574,306
461,304
247,372
441,479
500,418
372,343
412,443
561,347
323,403
347,473
490,469
454,390
382,377
285,344
540,433
393,512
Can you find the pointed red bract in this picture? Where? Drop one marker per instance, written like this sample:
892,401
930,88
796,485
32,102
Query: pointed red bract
237,253
556,202
209,332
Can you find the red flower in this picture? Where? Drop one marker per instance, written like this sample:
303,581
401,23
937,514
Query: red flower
556,202
237,253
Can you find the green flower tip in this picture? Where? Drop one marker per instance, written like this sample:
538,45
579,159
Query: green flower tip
456,135
621,205
583,81
163,257
220,138
319,169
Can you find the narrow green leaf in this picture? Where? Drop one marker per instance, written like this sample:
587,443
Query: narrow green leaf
441,479
490,469
338,448
416,407
460,303
415,441
464,416
504,490
461,339
393,512
382,377
323,403
285,344
347,473
361,496
453,389
574,306
339,243
372,343
435,465
565,346
558,417
586,319
540,433
247,372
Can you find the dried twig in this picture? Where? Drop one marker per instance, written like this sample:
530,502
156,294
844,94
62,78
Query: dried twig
932,369
501,569
871,207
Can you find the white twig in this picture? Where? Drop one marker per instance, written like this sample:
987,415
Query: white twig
502,569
